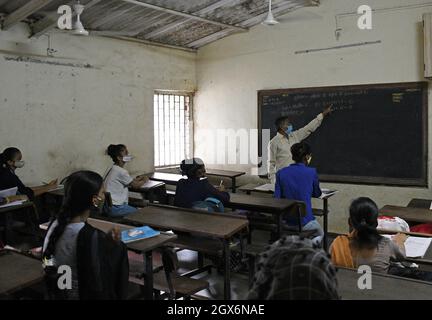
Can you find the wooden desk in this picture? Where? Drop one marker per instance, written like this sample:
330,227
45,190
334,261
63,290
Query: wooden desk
168,178
324,212
384,287
148,189
420,203
202,224
18,271
417,215
227,174
8,211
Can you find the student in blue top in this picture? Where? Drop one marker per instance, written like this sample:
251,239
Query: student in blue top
195,189
300,182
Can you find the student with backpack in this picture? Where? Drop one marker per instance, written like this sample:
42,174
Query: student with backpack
98,261
196,191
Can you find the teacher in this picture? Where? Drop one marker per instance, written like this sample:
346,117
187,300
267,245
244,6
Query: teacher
279,148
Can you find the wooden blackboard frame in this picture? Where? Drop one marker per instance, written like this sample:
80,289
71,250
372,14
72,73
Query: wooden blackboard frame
420,182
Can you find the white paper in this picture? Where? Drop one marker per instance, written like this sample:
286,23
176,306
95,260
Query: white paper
14,203
415,247
8,192
327,192
266,187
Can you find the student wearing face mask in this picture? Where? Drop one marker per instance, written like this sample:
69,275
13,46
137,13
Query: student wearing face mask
279,155
98,260
10,160
300,182
118,180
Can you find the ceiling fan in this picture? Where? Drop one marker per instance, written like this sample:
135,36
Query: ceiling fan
79,29
270,20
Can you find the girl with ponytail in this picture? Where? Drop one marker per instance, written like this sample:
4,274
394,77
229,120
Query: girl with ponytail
364,245
71,241
118,180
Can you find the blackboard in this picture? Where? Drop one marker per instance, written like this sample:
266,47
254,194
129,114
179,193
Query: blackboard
377,134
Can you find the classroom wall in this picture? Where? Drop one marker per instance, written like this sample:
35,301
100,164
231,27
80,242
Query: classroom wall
64,117
232,70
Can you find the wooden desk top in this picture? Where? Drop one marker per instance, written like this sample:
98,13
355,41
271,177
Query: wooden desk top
250,187
149,185
224,173
140,245
18,271
263,204
26,204
420,203
407,213
384,287
205,224
166,177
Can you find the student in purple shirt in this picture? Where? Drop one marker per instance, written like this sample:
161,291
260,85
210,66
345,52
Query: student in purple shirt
300,182
194,188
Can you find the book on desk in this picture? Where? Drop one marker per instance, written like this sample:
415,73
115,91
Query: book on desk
139,233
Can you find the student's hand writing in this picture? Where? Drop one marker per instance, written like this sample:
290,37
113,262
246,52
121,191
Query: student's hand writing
115,234
400,238
327,110
222,188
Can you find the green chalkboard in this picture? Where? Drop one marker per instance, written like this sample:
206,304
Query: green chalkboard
377,134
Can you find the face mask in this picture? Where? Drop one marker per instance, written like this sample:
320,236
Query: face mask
127,158
19,164
289,129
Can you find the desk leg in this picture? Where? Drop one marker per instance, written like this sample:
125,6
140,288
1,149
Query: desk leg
148,277
279,227
227,278
233,185
325,222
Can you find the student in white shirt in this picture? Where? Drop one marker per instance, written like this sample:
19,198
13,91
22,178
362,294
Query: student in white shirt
279,148
118,180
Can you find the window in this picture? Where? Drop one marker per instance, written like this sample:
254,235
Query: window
172,135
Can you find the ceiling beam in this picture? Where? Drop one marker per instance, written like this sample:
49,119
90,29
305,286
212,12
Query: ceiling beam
156,33
23,12
50,22
284,6
186,15
152,43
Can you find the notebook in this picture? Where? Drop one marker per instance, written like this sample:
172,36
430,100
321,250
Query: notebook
415,247
327,193
266,187
139,233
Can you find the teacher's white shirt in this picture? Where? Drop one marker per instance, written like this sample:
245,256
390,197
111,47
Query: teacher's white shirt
279,148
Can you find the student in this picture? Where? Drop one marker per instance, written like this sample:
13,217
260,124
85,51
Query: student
118,181
98,261
10,160
279,147
194,188
294,269
300,182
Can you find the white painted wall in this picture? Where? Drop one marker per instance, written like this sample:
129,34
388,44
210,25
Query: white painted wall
63,118
232,70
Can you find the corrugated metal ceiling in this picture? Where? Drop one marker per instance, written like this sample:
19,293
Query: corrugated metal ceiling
188,23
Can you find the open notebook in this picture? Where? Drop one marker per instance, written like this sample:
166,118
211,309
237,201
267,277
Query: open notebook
415,247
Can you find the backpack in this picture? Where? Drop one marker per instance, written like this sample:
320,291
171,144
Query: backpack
209,204
392,223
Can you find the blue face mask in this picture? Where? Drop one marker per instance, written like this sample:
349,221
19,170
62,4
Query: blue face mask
289,129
